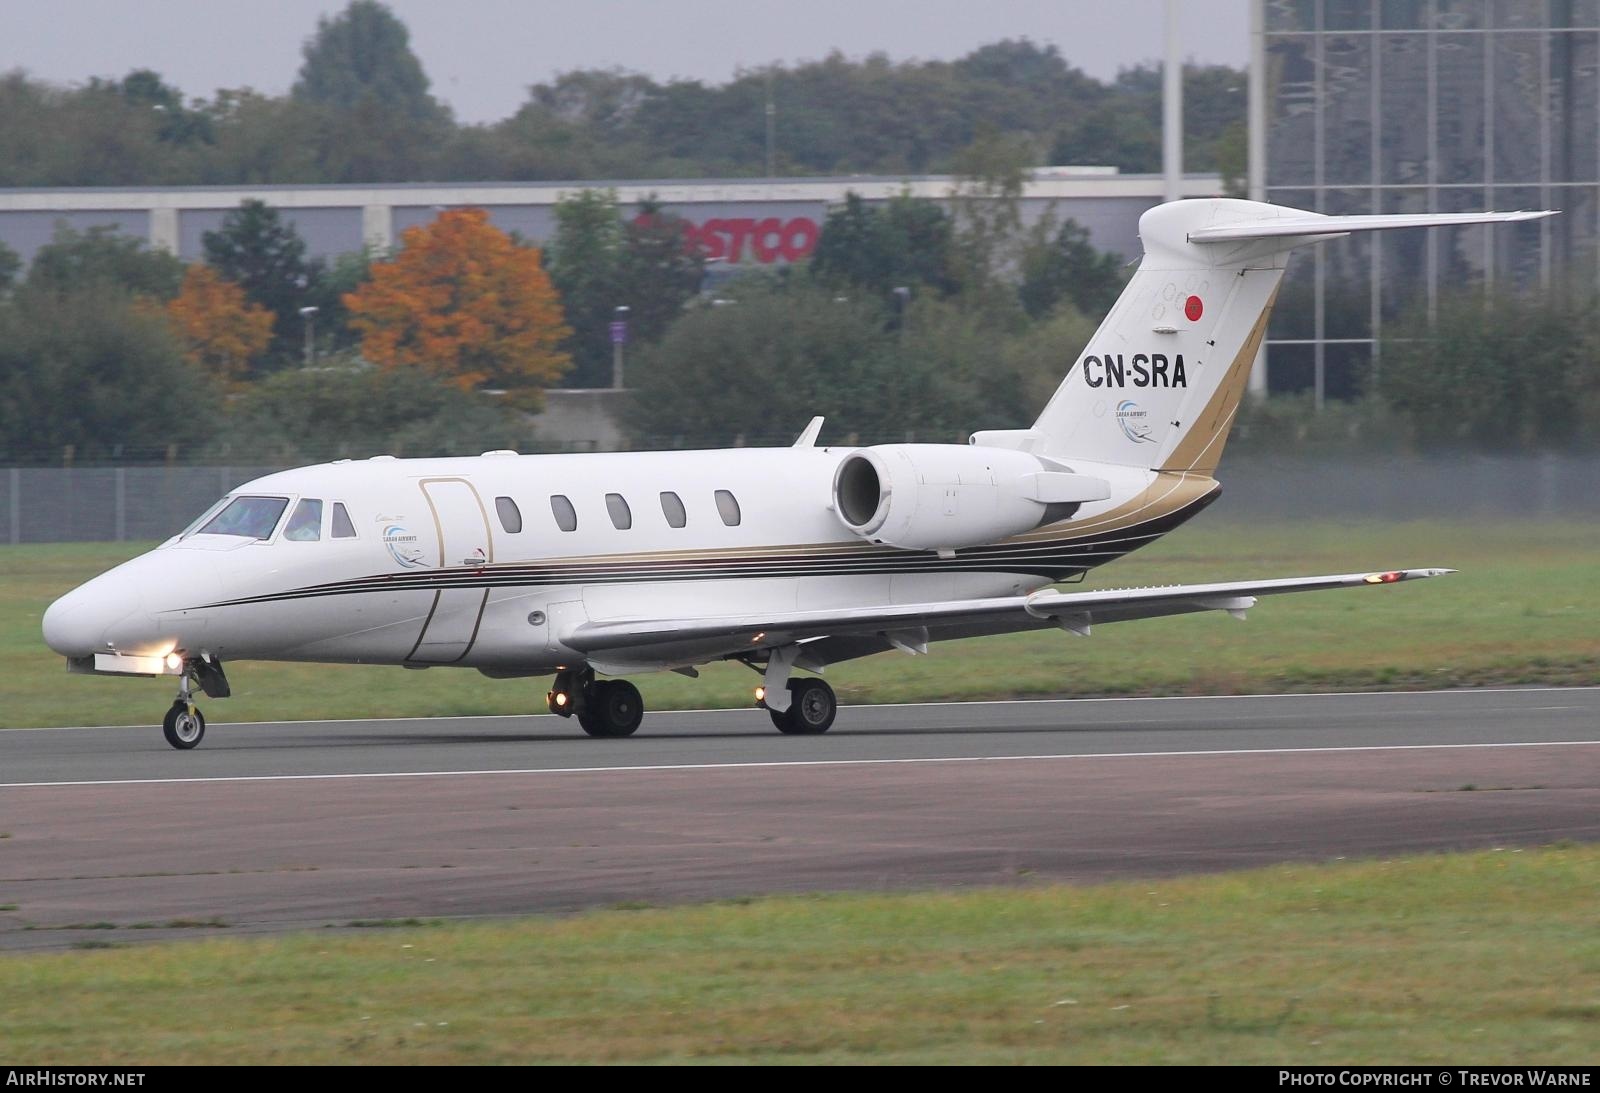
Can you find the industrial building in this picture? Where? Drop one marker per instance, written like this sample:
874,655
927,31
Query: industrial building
741,222
1405,106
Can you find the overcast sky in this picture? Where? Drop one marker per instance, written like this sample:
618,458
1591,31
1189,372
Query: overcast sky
482,54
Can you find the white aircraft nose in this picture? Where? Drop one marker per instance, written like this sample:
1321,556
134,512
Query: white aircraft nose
78,623
120,609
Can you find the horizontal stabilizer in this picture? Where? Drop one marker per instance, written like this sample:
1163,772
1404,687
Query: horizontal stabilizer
1301,223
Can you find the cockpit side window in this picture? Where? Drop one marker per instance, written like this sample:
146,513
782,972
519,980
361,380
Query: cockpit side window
342,527
251,517
305,524
200,521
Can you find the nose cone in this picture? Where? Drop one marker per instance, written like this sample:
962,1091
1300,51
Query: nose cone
121,610
82,621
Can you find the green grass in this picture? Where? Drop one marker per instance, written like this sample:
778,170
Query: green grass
1478,958
1521,611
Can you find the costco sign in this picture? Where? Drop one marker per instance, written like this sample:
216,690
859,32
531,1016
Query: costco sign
764,240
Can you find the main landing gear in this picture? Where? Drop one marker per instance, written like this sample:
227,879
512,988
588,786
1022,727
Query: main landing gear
604,707
612,707
185,726
812,707
799,707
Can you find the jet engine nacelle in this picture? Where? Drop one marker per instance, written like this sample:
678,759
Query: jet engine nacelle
944,496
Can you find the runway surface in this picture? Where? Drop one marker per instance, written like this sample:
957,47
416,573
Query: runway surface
107,834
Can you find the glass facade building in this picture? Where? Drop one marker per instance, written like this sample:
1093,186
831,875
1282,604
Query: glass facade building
1397,106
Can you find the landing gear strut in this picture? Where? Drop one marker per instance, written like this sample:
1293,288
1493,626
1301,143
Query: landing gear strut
604,707
184,726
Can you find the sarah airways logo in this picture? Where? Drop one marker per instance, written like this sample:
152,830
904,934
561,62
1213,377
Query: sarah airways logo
1132,421
403,547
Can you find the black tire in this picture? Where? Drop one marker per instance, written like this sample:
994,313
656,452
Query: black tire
613,708
812,708
182,729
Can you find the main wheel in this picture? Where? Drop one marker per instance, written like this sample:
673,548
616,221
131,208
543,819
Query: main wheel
183,728
812,707
613,708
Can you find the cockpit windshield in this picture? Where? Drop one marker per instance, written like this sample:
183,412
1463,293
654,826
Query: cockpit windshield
250,517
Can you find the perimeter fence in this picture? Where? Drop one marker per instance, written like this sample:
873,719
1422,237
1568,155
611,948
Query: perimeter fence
87,504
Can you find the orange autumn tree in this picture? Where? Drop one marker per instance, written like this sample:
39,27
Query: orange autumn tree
220,330
464,301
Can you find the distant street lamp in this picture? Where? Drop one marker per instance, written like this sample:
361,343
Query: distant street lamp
619,338
309,314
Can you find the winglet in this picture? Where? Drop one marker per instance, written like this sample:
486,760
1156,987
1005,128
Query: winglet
808,435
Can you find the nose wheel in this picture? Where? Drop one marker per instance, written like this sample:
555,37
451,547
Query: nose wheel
184,726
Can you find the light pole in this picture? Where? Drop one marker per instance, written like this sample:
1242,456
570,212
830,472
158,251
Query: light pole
619,338
309,314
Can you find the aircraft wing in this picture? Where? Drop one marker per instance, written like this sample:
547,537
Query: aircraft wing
838,632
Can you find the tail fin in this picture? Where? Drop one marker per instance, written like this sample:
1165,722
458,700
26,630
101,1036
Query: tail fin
1159,383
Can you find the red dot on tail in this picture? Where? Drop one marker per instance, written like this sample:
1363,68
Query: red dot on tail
1193,309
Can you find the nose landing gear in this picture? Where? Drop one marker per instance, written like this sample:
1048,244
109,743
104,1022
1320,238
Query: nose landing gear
185,726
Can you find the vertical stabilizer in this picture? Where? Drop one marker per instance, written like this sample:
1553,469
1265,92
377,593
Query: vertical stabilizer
1160,382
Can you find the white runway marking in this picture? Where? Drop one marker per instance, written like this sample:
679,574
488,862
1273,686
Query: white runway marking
367,775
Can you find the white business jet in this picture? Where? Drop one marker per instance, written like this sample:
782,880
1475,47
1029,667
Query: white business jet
784,559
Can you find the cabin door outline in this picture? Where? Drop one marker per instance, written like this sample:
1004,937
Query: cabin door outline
466,545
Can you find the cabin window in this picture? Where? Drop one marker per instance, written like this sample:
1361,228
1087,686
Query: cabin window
621,515
342,527
566,516
250,517
305,523
510,515
672,509
728,508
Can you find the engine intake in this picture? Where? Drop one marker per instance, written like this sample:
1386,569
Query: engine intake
944,496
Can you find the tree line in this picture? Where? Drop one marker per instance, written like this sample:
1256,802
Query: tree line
361,110
914,319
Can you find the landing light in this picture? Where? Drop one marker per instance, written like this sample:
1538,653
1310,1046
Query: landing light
174,662
761,694
1383,578
561,698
